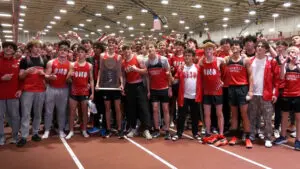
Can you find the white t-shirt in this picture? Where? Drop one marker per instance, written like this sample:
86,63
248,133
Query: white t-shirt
258,69
190,80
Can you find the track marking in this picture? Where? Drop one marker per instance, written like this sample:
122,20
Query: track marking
288,146
231,153
72,154
151,153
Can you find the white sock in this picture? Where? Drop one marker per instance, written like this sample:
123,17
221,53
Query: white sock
85,134
46,134
62,134
70,135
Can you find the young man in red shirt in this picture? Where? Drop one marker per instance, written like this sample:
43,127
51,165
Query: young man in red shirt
34,86
57,92
10,91
81,74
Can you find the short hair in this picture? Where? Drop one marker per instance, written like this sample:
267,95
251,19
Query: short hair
151,43
80,47
265,44
74,46
33,43
190,51
112,39
226,40
99,45
64,42
180,43
283,43
249,38
84,41
162,42
237,42
126,47
207,40
46,44
194,41
12,44
295,36
293,48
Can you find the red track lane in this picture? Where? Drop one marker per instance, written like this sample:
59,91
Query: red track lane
47,154
189,154
96,152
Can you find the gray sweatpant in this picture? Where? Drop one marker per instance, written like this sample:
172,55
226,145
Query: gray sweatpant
56,97
10,108
257,108
29,100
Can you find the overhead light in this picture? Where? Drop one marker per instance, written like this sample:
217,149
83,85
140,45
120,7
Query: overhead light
107,26
121,31
132,35
44,33
7,31
49,26
201,16
225,36
247,21
113,34
246,34
52,22
152,30
8,36
63,11
260,1
165,2
8,40
118,22
191,32
272,30
23,7
287,4
92,33
89,20
224,25
227,9
75,29
165,26
174,14
298,25
99,30
98,14
181,22
144,10
172,31
131,28
142,24
20,24
196,6
26,31
177,34
71,2
206,29
205,23
275,15
110,7
225,19
6,25
160,34
87,35
20,28
5,14
21,20
46,30
22,14
57,17
252,12
187,27
129,17
81,24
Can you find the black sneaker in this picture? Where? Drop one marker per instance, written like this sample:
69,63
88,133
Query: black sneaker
155,134
121,134
36,138
167,135
297,145
176,137
197,137
21,142
107,134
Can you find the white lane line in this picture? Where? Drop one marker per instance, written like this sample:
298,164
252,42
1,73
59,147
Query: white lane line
232,154
288,146
151,153
72,154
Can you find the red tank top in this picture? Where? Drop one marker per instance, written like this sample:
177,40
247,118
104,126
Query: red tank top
130,75
80,80
292,81
237,73
61,71
176,62
212,84
157,75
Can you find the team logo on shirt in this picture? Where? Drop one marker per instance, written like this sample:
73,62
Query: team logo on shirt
191,75
80,74
210,72
60,71
178,63
292,77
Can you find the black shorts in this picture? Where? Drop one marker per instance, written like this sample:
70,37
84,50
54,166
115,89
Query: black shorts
237,95
212,100
79,98
290,104
111,95
175,88
159,95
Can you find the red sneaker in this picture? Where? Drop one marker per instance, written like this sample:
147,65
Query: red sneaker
248,143
222,141
213,139
233,141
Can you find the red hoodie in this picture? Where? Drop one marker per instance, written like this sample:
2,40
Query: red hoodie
271,79
180,76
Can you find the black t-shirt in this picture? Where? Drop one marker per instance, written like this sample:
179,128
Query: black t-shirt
26,63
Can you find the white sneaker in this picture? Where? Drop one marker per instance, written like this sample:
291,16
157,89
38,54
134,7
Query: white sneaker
261,136
62,134
172,125
71,134
85,134
203,130
2,141
268,144
276,133
147,135
293,134
46,135
131,133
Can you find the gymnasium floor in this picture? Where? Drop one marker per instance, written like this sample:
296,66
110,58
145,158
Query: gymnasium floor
139,153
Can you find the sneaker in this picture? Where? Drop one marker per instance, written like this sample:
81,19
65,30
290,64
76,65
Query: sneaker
261,136
102,132
276,133
172,125
85,134
291,128
280,140
252,137
176,137
233,141
156,134
203,130
13,141
214,130
121,134
213,139
62,134
297,145
197,137
293,134
107,134
248,143
167,135
36,138
222,141
131,133
46,134
93,130
70,135
2,141
268,144
21,142
147,135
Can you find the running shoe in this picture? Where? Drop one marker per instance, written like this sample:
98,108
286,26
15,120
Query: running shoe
21,142
233,141
94,130
222,141
293,134
36,138
176,137
280,140
297,145
121,134
268,144
167,135
276,133
147,135
248,143
197,137
156,134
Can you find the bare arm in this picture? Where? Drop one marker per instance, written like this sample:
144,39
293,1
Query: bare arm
99,71
120,72
250,75
71,71
92,81
142,70
273,52
49,70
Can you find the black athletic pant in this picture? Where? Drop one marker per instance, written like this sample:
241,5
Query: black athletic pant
98,99
226,109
